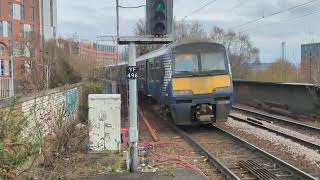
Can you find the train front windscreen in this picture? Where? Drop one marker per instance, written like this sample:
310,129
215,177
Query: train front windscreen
211,62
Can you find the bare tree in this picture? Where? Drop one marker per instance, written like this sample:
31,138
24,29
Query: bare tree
188,30
63,65
279,71
240,50
33,76
140,30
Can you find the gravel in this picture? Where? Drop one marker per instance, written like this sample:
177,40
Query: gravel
298,119
297,150
292,133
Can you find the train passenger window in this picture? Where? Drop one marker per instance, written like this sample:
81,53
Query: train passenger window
151,66
157,65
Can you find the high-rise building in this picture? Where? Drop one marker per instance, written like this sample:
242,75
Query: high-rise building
23,24
48,19
310,62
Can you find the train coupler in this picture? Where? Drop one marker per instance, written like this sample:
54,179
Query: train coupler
206,118
204,113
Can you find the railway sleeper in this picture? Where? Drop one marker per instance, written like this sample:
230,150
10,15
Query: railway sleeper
257,170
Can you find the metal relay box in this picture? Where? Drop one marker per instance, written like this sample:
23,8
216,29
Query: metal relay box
105,121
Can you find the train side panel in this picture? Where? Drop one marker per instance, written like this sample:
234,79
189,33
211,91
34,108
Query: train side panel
155,78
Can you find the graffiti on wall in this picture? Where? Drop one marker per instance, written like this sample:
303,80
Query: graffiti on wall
70,101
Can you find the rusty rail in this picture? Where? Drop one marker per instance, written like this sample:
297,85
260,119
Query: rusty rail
149,127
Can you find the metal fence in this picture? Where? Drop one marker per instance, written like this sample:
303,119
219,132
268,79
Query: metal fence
5,88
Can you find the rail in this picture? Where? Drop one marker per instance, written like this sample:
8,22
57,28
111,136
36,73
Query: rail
257,124
278,119
295,171
212,159
249,161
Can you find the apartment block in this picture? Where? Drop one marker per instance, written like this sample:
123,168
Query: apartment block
23,24
48,19
18,20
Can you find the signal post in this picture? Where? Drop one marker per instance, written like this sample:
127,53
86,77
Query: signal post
158,25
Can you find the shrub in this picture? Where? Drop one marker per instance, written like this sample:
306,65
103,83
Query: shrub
88,88
15,146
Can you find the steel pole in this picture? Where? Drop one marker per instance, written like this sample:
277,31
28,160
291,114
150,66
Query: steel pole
282,50
42,22
12,77
118,30
47,76
117,9
133,117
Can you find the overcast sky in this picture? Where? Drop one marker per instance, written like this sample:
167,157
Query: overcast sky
93,18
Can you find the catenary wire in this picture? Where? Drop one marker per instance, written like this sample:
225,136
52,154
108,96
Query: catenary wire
199,9
286,20
273,14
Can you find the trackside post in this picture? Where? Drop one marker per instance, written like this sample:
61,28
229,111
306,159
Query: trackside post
133,107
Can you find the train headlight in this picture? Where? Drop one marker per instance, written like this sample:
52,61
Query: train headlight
182,93
222,90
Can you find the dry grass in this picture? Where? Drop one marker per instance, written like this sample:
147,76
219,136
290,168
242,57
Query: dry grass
279,71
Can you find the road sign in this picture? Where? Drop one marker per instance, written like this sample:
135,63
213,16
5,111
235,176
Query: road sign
132,72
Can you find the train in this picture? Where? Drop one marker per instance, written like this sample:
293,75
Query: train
191,79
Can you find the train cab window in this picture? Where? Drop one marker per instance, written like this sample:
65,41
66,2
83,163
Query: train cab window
186,63
214,61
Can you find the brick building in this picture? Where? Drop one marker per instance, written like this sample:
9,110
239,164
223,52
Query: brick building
23,24
310,62
98,54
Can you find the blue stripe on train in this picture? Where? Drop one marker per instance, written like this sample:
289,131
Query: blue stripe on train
154,89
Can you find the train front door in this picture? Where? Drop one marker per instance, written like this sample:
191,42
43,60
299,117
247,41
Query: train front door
147,77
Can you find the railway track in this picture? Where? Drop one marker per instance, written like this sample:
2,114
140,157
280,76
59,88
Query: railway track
304,134
304,141
279,120
238,159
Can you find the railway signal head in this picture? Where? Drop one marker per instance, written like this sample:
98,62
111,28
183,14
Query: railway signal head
159,17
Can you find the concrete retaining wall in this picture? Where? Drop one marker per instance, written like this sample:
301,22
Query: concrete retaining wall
301,99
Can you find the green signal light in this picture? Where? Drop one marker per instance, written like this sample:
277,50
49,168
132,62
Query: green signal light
159,6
